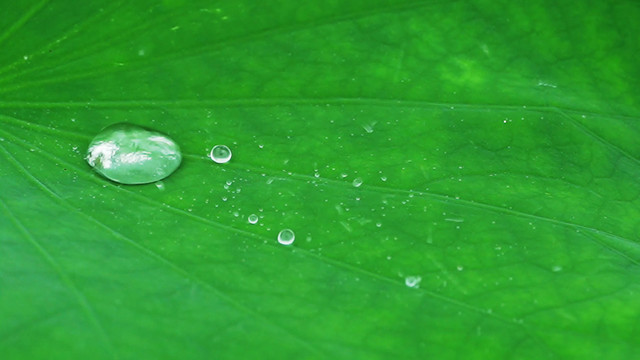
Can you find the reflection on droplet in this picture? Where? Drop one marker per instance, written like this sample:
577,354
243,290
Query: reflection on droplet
131,154
220,154
357,182
286,237
253,218
413,281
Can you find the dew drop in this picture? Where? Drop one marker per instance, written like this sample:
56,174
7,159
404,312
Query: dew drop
220,154
413,281
131,154
357,182
253,218
286,237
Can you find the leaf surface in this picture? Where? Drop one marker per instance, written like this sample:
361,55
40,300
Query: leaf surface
461,177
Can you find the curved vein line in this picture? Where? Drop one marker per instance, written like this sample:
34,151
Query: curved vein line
293,28
264,241
442,198
147,252
19,331
341,184
77,28
207,49
42,128
265,102
97,44
23,20
88,310
598,138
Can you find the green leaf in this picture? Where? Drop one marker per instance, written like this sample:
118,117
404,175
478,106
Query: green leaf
461,178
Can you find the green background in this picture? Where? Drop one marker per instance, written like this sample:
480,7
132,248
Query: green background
497,143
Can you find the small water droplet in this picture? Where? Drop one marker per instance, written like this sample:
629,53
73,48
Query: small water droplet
286,237
220,154
413,281
160,185
460,267
131,154
253,218
357,182
556,268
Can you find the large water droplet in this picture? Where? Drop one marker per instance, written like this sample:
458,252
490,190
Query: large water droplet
131,154
286,237
253,218
220,154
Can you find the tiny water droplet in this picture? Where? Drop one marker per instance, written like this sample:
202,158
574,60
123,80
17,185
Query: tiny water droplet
160,185
413,281
286,237
357,182
220,154
556,268
253,218
131,154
